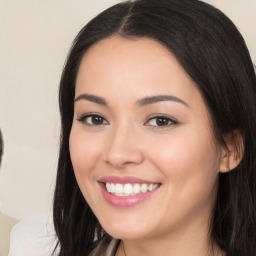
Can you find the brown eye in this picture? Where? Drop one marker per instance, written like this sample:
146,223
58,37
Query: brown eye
93,120
160,121
97,120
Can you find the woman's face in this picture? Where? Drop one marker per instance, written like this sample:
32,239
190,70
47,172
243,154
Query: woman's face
141,144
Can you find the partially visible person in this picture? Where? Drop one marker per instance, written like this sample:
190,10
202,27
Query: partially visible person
6,222
33,236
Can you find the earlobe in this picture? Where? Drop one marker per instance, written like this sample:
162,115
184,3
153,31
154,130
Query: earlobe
232,154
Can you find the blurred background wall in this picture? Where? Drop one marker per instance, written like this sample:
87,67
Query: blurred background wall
34,40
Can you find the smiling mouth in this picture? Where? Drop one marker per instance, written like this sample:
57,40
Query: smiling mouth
129,189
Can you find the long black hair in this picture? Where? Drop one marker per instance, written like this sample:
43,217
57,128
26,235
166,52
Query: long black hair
1,146
213,53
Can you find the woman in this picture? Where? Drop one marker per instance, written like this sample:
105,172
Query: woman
157,156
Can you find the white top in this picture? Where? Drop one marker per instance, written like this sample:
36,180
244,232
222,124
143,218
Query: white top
32,237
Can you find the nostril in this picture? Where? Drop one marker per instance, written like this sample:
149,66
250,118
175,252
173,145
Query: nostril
120,160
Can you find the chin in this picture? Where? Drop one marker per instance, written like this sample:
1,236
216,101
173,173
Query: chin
125,230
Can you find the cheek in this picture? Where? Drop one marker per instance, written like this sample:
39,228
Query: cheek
190,172
188,161
84,151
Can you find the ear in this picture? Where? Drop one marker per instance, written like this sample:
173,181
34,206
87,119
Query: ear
232,154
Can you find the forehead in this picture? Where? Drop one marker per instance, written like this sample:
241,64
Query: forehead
128,53
138,66
124,71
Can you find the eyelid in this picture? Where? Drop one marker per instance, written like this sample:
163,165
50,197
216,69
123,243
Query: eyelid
84,116
172,120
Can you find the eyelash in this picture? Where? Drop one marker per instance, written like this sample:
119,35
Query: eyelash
157,118
83,118
170,121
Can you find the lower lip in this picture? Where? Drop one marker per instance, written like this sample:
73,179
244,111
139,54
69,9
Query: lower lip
125,201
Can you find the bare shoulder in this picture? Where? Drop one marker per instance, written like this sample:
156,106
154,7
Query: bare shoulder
6,225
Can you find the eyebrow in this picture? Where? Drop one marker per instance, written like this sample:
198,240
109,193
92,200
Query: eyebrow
92,98
142,102
158,98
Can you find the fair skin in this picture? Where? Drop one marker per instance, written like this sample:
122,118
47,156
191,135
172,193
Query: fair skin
167,141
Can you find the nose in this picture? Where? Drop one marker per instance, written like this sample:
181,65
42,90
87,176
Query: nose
123,148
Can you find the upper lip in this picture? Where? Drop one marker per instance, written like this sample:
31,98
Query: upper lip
125,180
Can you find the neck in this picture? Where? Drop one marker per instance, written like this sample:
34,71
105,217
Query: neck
126,249
179,243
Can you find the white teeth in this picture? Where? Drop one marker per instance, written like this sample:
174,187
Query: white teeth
119,189
112,188
129,189
136,189
108,187
144,188
154,186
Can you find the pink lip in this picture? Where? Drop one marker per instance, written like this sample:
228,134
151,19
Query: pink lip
124,180
124,201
